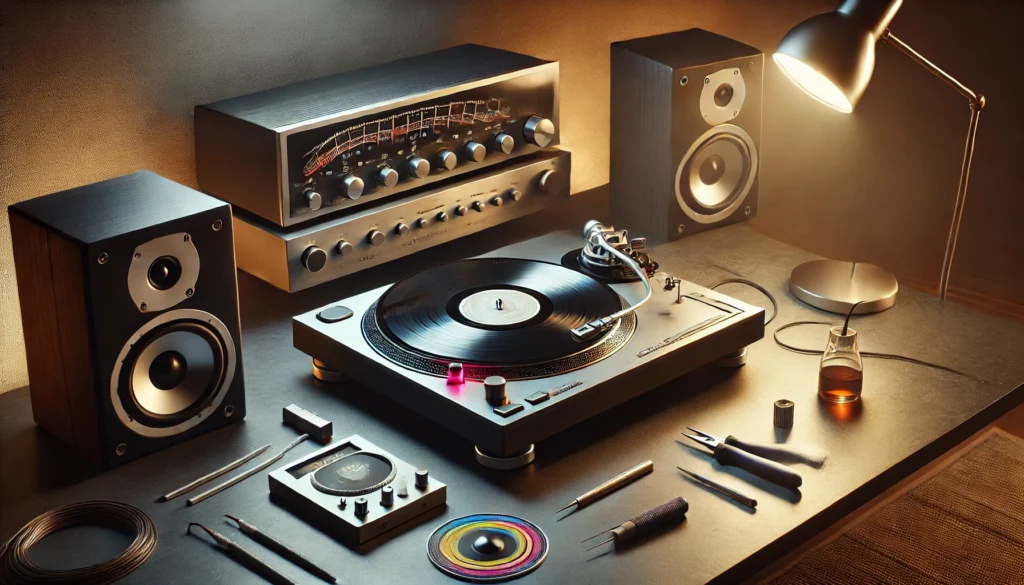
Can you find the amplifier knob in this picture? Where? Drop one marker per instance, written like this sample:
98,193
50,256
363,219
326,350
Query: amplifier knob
504,143
447,159
314,259
401,229
478,206
421,222
476,151
352,187
442,217
419,167
375,237
515,194
497,201
460,210
549,182
313,199
387,177
344,248
539,131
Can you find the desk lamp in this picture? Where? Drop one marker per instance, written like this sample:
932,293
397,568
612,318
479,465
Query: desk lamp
831,56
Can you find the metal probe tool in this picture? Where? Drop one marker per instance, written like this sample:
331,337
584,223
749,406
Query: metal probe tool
620,480
213,475
280,548
729,493
669,514
244,475
244,557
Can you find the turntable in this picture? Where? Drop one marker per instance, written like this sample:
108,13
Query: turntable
510,349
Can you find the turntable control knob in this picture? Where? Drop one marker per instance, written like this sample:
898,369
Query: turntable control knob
476,151
478,206
344,248
496,201
313,199
442,216
421,223
494,386
460,210
447,159
422,479
539,131
375,237
401,229
387,496
515,194
314,259
419,167
388,177
362,507
504,143
549,181
352,187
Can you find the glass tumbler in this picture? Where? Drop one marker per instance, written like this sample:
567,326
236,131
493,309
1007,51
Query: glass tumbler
841,374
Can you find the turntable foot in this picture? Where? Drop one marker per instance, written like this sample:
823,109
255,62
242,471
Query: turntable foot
515,461
732,360
325,373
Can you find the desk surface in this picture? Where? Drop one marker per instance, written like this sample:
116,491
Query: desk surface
910,415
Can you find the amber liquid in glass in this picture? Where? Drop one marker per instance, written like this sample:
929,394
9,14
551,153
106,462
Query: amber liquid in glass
840,383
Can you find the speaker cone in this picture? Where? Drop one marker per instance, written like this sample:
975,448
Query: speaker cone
172,373
716,174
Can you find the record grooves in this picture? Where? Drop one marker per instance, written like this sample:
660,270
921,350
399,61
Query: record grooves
496,316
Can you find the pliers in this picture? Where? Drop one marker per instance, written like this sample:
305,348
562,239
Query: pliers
751,458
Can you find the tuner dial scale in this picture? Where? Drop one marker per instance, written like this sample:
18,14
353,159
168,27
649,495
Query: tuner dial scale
275,254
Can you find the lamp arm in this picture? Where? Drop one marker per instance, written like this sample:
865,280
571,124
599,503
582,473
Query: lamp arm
977,103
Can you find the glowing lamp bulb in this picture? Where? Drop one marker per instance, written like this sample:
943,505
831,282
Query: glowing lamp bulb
456,375
813,82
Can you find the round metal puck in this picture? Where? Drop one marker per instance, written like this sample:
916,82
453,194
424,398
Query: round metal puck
334,314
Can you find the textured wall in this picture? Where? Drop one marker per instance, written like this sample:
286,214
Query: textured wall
91,90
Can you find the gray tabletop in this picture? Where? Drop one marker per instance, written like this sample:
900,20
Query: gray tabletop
909,415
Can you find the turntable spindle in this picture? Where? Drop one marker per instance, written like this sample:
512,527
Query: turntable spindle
499,304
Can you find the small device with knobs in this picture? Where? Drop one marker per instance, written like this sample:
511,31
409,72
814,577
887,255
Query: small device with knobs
313,199
352,187
446,159
375,237
539,130
504,143
387,177
419,168
475,151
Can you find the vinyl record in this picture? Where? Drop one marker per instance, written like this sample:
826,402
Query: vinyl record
494,311
355,474
487,548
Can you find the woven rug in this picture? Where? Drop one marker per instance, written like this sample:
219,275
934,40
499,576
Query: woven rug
963,525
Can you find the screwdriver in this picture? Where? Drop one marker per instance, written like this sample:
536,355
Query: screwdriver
620,480
668,514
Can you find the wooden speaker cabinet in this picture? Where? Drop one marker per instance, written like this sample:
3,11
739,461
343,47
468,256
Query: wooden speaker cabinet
130,311
685,133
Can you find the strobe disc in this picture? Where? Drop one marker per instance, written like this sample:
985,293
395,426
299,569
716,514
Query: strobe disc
486,548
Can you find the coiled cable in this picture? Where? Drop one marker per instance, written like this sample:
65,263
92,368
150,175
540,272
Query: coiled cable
16,567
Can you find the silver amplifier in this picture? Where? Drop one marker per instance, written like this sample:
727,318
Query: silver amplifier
296,259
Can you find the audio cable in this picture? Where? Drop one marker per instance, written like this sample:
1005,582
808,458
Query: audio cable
16,566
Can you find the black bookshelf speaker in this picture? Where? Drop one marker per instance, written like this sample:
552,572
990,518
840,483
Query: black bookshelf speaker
685,133
130,312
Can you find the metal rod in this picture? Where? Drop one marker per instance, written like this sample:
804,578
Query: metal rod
977,103
621,480
212,475
244,475
728,492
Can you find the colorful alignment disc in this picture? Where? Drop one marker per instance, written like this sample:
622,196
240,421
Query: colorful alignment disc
486,548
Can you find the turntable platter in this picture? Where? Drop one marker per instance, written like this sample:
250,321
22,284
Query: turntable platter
494,312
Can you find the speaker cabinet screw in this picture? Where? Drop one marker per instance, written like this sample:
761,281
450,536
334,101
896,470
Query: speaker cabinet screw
683,80
138,255
680,228
189,292
187,237
102,259
217,224
707,80
229,410
746,210
142,307
121,449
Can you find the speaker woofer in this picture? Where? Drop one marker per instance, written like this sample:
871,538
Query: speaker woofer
716,174
172,373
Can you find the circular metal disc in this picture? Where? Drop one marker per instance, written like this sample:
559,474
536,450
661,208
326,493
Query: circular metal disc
499,307
834,286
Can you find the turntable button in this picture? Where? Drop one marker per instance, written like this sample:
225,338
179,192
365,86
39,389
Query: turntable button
334,314
494,386
509,409
422,479
537,397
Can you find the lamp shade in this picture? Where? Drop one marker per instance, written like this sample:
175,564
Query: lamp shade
831,56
